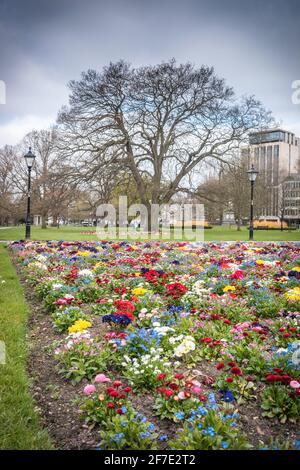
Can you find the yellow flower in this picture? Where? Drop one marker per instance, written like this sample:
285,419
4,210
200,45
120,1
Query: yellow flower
229,289
79,326
137,274
83,253
296,268
139,291
293,294
260,261
98,265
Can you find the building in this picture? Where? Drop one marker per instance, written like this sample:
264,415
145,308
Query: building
276,155
289,200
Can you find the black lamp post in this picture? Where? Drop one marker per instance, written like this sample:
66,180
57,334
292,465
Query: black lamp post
252,174
29,158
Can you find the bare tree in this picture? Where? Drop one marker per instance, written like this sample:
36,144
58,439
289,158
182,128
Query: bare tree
157,121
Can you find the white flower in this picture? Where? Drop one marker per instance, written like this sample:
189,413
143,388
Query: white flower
86,273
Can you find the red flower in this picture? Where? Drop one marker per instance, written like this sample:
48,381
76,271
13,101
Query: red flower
165,391
117,383
220,366
114,393
124,305
229,379
174,386
127,389
231,364
176,289
236,371
110,405
207,340
119,411
273,378
178,376
161,376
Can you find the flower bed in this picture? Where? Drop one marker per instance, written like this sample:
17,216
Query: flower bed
174,345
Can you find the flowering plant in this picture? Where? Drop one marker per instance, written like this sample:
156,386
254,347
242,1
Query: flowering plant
142,371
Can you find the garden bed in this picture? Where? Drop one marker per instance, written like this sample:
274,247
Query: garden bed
214,328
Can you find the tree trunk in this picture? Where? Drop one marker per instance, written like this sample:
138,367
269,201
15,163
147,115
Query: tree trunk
44,222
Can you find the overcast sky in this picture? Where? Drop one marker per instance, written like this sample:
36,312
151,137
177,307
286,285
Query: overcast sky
253,44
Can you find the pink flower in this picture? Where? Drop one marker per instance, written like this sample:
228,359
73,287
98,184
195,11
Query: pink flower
196,389
101,378
294,384
89,389
181,396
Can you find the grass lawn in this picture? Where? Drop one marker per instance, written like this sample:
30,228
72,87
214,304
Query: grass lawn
80,233
19,427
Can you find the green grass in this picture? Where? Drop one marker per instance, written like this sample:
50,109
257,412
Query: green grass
214,234
19,428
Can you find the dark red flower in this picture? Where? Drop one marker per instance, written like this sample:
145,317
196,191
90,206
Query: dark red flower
236,371
161,376
174,386
207,340
178,376
229,379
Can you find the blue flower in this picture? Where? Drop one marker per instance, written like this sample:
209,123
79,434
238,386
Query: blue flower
179,415
202,411
296,443
224,445
118,436
227,396
144,435
151,427
124,409
163,437
211,398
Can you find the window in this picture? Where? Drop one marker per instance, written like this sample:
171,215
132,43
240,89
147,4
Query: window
276,164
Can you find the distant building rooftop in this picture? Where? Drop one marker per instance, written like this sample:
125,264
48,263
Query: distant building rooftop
271,135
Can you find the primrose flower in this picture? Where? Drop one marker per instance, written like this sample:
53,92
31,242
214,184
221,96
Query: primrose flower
229,289
79,326
139,291
293,295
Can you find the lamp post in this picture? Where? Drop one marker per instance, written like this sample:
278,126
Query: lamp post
29,159
252,174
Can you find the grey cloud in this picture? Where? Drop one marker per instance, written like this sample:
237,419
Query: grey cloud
44,44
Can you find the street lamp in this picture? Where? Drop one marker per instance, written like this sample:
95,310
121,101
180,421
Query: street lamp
252,175
29,159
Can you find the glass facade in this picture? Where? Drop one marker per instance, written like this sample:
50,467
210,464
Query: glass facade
264,137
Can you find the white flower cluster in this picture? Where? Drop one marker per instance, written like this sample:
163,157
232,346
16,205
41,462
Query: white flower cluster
199,288
162,330
187,344
86,273
147,363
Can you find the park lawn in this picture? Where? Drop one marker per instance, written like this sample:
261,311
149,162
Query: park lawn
20,428
82,233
